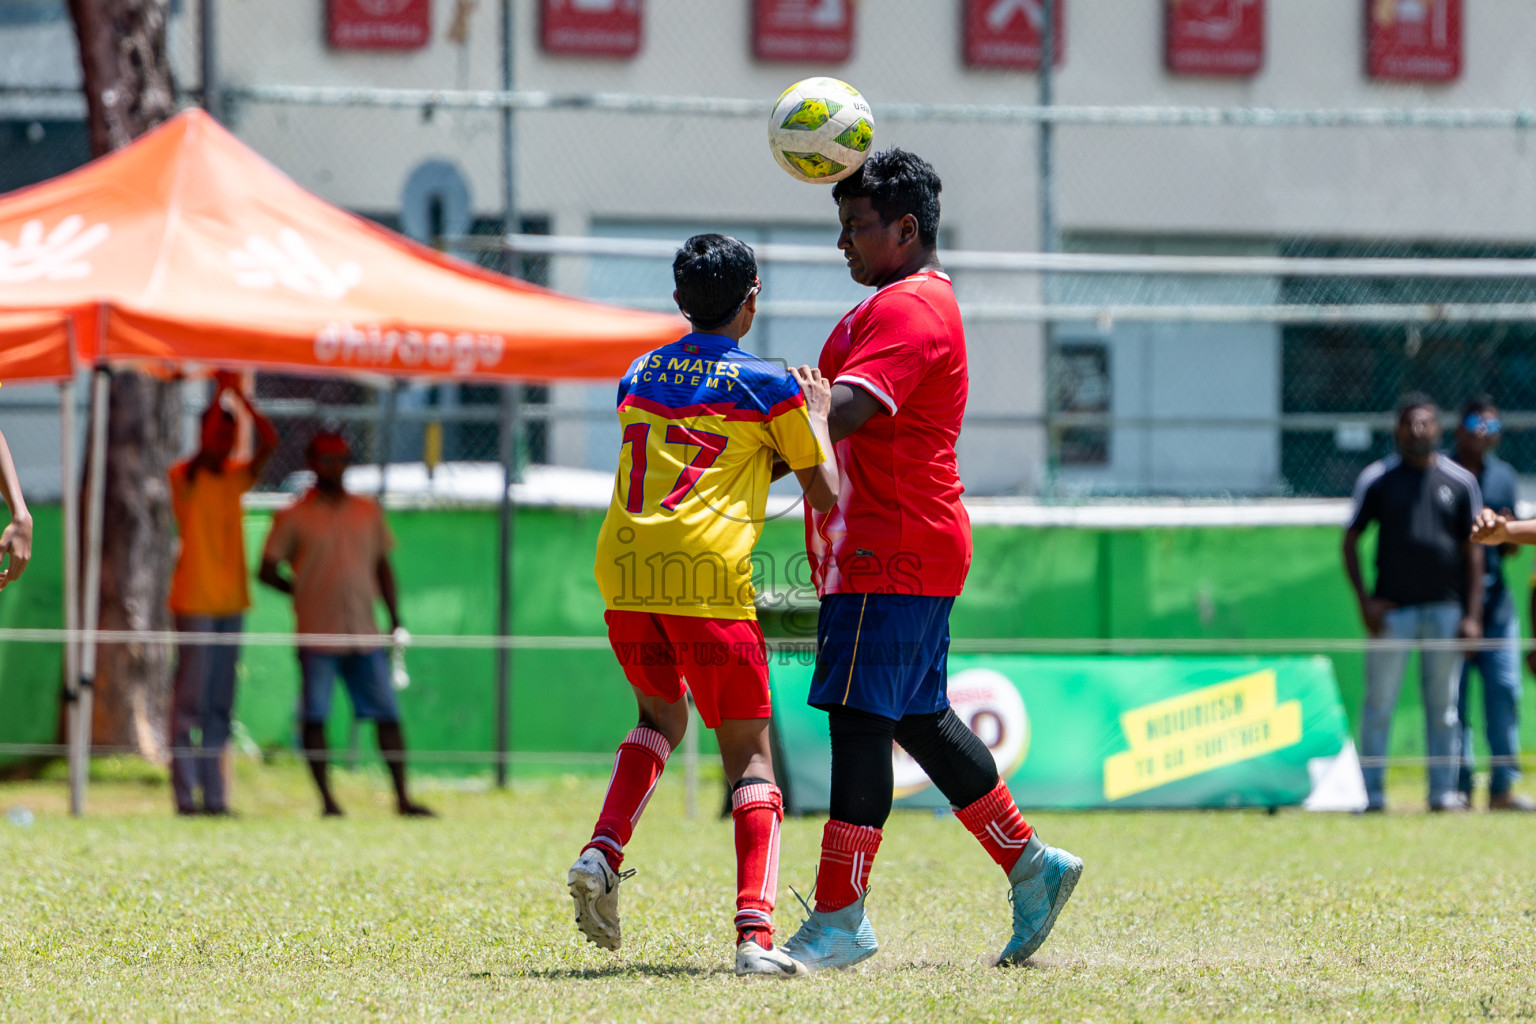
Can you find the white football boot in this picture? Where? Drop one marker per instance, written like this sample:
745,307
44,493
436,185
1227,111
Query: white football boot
775,963
595,888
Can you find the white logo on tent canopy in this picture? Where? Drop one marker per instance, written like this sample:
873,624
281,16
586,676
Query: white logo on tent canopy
292,264
55,256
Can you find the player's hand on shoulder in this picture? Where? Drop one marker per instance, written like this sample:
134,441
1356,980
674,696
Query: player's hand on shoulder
1488,527
817,389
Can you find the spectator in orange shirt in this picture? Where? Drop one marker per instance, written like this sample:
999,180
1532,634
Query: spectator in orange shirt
209,594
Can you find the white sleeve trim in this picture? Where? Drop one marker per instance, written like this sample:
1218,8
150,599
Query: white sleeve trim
884,398
1367,478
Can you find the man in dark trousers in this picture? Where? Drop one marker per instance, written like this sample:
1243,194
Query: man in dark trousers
1477,435
336,546
1429,586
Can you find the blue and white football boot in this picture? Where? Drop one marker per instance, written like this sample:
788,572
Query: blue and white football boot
834,938
1042,880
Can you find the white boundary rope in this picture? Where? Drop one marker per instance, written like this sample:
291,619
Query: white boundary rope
336,755
576,759
790,645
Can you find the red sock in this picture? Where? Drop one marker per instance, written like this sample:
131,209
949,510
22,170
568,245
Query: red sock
995,821
757,808
847,854
638,765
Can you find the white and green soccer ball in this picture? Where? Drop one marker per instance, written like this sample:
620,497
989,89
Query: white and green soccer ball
821,130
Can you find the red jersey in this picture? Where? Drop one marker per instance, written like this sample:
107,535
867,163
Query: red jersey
898,526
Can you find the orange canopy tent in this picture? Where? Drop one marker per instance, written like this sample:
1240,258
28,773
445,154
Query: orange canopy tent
188,248
36,346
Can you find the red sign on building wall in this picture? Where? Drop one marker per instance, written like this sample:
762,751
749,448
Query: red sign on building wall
593,28
1007,33
1413,40
808,30
1215,37
378,24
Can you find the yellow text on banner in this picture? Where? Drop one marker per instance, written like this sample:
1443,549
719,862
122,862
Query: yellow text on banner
1201,731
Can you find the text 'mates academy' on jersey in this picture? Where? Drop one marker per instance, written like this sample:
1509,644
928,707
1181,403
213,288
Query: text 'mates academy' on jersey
701,420
899,526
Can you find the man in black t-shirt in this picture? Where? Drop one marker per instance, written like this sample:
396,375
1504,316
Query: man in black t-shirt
1429,586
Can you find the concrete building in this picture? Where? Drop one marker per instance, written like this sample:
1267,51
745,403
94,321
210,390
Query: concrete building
1201,404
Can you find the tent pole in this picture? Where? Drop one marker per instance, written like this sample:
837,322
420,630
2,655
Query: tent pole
71,510
80,742
508,436
509,417
509,223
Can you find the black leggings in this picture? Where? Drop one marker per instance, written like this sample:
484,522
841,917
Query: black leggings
954,758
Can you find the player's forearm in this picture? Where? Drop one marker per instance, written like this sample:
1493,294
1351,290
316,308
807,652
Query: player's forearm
10,486
266,435
266,432
1520,531
272,577
821,485
1352,565
827,483
827,487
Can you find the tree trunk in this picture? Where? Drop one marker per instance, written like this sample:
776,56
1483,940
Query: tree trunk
123,68
128,89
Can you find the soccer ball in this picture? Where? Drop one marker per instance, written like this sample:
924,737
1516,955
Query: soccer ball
820,130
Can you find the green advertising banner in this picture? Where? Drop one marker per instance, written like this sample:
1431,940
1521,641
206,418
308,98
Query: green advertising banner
1078,732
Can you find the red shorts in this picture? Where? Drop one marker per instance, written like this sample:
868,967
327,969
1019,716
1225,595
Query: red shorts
723,662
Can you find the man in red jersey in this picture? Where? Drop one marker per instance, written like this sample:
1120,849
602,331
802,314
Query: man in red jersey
889,560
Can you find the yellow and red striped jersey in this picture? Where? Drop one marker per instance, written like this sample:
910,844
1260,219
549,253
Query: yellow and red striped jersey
701,420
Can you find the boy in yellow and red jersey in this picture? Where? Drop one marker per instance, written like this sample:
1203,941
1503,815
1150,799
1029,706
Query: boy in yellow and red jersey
702,421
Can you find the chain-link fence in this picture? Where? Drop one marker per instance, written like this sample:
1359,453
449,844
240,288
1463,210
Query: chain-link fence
1145,383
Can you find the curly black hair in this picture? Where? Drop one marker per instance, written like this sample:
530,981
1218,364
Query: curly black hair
713,274
897,183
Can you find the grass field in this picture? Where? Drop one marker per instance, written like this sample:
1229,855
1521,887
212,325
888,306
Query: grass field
134,915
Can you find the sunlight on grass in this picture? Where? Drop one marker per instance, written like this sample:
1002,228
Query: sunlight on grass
132,914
